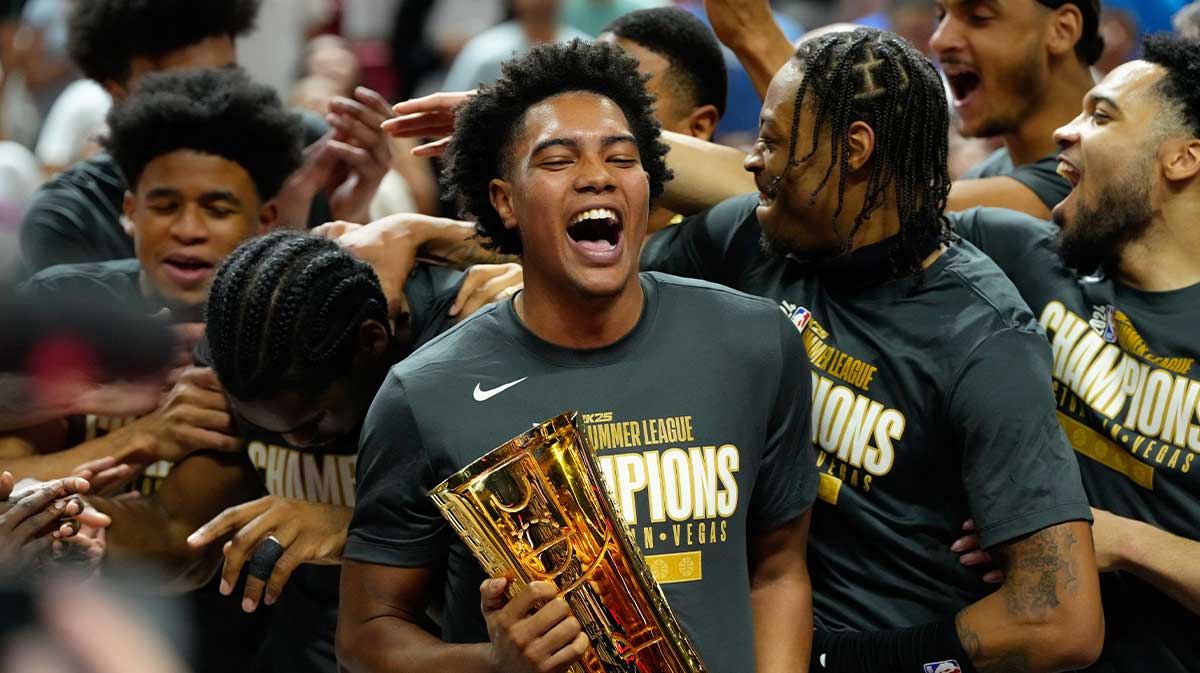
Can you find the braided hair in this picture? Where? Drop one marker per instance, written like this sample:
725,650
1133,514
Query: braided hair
877,77
284,311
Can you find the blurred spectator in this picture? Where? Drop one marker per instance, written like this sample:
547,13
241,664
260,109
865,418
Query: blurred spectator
313,93
1119,28
1187,21
20,176
591,16
72,129
429,34
332,58
914,20
274,50
535,22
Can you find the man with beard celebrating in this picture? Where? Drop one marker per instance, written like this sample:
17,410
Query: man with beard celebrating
1124,340
930,399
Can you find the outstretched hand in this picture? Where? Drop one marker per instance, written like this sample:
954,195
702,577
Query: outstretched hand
429,116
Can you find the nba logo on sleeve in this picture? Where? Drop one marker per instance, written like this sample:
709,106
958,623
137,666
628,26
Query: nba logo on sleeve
800,317
948,666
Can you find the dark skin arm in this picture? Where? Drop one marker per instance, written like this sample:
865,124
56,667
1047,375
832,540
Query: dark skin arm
378,631
781,598
156,528
999,192
1047,615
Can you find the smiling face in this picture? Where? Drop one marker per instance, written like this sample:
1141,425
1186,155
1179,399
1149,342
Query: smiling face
189,210
993,55
575,190
1109,153
791,220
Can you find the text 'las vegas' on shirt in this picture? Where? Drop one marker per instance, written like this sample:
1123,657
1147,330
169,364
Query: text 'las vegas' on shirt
1128,394
701,435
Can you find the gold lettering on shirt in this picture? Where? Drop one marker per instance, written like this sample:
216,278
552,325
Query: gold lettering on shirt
324,478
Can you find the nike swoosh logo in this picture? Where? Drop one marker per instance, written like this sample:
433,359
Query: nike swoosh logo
482,395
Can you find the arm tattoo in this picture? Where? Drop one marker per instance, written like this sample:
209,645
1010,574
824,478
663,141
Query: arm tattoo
1004,662
1036,568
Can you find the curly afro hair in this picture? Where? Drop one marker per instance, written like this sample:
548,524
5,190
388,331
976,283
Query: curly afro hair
1181,85
688,44
105,35
213,111
489,122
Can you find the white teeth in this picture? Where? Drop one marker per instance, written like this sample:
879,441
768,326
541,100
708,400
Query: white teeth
1064,169
595,214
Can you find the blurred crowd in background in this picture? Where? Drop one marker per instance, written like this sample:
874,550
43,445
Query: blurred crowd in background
311,51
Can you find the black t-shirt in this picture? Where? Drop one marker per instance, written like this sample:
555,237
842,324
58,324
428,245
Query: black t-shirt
300,636
700,432
1128,393
931,405
76,216
1041,176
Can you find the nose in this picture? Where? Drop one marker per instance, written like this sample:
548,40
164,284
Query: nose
594,176
1066,136
190,226
947,37
753,163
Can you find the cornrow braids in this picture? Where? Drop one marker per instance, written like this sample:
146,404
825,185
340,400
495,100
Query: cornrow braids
878,78
283,313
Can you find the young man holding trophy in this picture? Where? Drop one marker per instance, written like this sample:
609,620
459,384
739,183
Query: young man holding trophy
702,436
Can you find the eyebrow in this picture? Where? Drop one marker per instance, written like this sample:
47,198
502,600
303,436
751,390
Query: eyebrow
206,197
1101,98
570,143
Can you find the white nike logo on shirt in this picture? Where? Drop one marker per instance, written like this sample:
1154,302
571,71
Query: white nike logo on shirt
482,395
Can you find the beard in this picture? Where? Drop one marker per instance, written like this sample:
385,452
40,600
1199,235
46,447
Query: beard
1022,83
1120,215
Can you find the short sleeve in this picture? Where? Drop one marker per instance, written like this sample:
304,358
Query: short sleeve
700,245
786,485
1042,178
1018,468
431,291
394,523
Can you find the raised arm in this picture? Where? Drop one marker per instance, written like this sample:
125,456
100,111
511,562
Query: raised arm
748,28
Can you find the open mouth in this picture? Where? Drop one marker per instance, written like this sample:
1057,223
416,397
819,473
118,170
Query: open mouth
1068,171
963,83
186,269
596,230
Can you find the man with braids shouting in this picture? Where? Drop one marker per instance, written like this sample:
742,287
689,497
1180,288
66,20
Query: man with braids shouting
931,398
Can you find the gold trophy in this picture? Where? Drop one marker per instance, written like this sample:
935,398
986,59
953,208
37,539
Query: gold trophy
536,509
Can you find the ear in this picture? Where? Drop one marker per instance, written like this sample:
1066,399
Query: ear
702,123
1064,30
860,144
1181,159
128,208
500,193
371,342
268,216
115,89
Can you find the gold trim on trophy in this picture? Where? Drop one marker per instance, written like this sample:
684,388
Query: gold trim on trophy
536,509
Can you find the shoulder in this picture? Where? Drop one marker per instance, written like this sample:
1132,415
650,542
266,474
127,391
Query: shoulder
987,300
1000,222
701,294
996,163
479,332
117,278
721,314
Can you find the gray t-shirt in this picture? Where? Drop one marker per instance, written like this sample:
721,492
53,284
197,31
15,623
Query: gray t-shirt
1041,176
932,404
699,417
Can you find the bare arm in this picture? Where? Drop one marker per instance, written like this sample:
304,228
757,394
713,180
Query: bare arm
156,527
377,629
705,174
1047,615
748,28
999,192
1164,560
781,597
127,445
